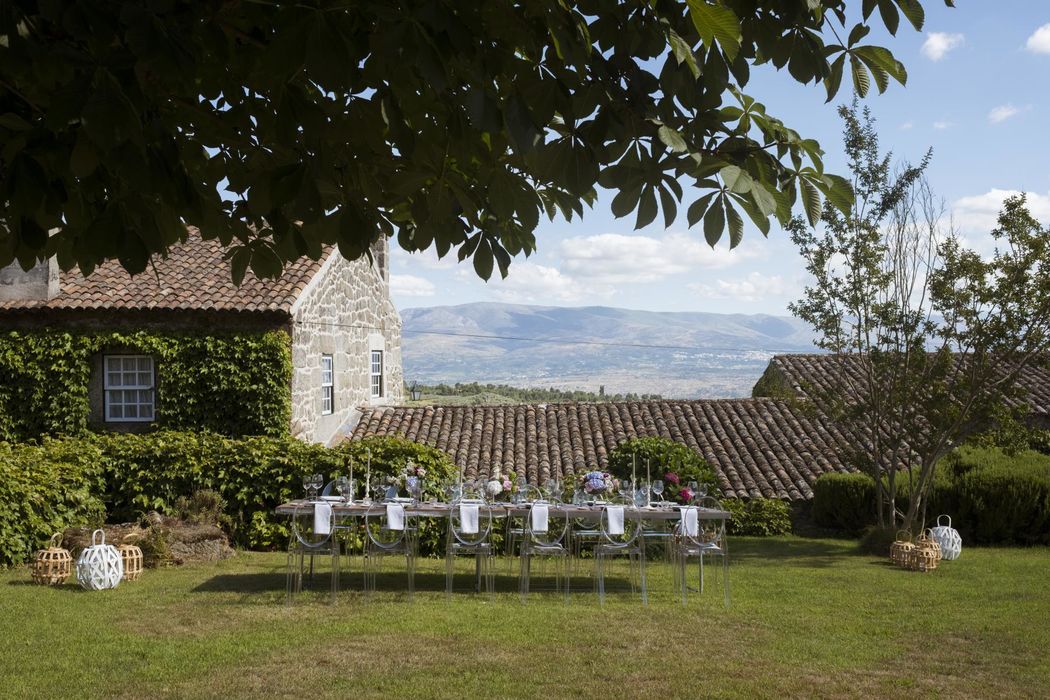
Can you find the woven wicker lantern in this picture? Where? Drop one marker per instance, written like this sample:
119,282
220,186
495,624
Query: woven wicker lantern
100,565
949,539
926,555
52,566
131,555
900,550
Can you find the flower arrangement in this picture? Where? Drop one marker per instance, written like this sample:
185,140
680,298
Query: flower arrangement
597,482
497,485
403,479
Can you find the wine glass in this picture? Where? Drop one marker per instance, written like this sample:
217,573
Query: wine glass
556,489
701,491
318,483
308,482
342,487
626,488
658,488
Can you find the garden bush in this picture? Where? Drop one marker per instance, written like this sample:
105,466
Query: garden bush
44,489
844,502
1000,498
666,457
761,517
252,475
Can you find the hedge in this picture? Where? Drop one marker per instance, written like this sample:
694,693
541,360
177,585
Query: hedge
65,482
844,502
229,383
992,497
758,517
44,489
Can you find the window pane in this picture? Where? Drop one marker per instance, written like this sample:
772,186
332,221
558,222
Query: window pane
145,379
146,412
131,411
145,396
113,378
145,364
116,411
128,364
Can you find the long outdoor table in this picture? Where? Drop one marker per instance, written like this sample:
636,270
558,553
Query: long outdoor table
442,510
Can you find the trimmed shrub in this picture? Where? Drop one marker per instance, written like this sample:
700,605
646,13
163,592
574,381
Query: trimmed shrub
999,498
154,471
44,489
844,502
761,517
664,456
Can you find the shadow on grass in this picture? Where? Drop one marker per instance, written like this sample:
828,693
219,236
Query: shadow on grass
799,552
391,582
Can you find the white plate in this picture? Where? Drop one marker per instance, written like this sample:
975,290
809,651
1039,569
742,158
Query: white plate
332,498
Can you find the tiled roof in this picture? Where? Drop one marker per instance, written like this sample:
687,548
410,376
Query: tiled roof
758,447
810,374
193,276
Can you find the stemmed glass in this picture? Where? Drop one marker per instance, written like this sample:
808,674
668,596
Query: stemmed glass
342,488
520,487
658,489
626,489
308,482
701,491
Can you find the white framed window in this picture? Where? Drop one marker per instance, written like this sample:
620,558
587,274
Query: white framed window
377,374
129,388
327,385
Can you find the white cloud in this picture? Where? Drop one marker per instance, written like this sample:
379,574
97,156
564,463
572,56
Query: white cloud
980,213
754,287
426,259
613,258
943,124
1002,113
907,125
938,44
411,286
1039,42
529,283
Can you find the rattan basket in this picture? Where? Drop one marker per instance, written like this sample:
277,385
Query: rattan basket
52,566
901,549
132,556
927,553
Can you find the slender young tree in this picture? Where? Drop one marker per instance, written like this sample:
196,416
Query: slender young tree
928,336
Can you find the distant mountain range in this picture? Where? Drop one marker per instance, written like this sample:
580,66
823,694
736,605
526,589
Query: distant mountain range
676,354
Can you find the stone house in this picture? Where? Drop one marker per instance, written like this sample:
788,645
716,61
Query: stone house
343,331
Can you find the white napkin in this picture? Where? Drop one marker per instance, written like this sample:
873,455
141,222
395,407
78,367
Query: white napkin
615,515
322,518
539,517
395,516
468,518
690,521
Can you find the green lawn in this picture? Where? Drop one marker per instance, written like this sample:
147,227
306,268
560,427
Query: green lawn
808,617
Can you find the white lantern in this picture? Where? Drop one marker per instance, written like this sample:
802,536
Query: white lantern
948,538
99,566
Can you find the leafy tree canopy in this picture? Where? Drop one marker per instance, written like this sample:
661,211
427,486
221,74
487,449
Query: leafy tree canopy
452,124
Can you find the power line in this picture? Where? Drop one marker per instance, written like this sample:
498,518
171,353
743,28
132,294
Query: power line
554,341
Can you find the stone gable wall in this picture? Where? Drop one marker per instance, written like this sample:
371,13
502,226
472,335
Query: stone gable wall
346,312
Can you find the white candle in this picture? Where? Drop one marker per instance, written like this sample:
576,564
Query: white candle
368,474
351,477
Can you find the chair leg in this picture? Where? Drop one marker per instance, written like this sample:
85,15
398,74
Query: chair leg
449,565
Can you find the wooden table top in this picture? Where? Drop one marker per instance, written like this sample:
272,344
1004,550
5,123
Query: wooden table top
435,509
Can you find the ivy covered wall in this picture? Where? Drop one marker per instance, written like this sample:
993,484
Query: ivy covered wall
233,384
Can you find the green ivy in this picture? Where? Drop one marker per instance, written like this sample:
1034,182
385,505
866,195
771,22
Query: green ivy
229,383
44,489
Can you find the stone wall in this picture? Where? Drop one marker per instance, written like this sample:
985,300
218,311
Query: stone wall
346,312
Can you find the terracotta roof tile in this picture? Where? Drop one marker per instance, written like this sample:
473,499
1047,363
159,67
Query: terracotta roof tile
758,447
810,373
193,276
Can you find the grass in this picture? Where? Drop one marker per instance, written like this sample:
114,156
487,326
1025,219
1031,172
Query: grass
808,618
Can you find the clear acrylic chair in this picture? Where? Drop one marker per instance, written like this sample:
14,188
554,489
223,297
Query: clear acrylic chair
709,540
309,541
385,538
473,541
546,544
624,541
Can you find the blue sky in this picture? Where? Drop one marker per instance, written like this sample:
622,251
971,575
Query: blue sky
977,94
